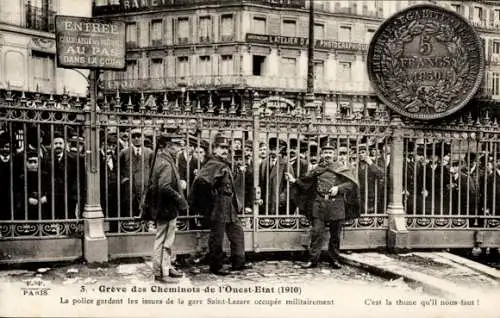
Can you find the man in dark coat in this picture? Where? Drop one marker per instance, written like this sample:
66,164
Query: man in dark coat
6,176
32,200
330,196
165,199
214,196
135,163
109,179
369,176
65,186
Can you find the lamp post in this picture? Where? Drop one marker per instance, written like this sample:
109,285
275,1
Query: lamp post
309,97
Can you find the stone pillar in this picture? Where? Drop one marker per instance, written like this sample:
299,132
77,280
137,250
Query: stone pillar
95,245
397,236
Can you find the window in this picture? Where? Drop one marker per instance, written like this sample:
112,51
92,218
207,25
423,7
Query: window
289,28
259,25
496,47
457,8
496,16
226,66
156,68
344,73
156,32
182,30
227,28
319,31
182,66
258,65
496,84
345,34
43,70
132,71
369,35
478,13
131,34
205,67
288,67
39,15
205,29
319,70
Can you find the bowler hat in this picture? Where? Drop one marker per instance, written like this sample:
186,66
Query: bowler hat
4,138
276,143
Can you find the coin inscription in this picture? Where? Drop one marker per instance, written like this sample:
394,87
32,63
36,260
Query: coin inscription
425,62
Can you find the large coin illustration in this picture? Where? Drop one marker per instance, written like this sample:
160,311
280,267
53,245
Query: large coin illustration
425,62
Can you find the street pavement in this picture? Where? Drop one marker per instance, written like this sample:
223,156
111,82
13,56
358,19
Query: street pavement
272,288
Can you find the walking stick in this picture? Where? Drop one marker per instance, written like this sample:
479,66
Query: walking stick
146,189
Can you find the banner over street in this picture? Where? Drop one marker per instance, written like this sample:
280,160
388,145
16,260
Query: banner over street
90,43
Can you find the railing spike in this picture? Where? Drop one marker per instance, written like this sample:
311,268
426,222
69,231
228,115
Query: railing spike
187,103
198,107
211,109
142,102
51,103
165,102
106,103
130,107
232,108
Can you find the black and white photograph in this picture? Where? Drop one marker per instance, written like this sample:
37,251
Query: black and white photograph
250,158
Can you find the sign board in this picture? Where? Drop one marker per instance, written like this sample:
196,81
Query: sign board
90,43
426,62
303,42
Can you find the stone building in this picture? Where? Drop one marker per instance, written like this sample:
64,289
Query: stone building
233,46
28,46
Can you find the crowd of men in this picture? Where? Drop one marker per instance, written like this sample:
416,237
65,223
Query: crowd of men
39,172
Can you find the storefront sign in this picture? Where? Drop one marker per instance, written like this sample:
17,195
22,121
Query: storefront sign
303,42
90,43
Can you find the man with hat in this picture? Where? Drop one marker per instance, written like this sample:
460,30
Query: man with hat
65,175
32,192
272,181
109,177
135,163
213,195
165,201
329,195
371,181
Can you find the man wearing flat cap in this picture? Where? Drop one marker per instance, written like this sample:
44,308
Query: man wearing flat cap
329,196
213,195
165,201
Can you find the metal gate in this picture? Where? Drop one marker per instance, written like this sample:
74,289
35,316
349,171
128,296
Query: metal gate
400,165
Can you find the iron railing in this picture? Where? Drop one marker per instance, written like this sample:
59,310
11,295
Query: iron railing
253,81
40,19
446,176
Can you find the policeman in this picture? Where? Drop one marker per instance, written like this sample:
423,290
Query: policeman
329,195
213,195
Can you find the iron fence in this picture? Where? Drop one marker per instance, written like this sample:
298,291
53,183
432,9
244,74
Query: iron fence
447,182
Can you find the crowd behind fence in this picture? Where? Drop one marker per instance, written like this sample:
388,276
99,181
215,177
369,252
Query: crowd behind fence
447,181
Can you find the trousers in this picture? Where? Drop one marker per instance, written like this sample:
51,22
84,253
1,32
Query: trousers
163,246
318,239
236,238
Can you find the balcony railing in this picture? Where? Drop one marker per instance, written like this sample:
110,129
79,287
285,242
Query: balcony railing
224,81
39,19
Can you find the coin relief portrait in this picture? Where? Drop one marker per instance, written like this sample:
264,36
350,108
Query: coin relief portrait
426,62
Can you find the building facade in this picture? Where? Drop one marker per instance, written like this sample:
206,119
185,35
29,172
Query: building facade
28,46
232,46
